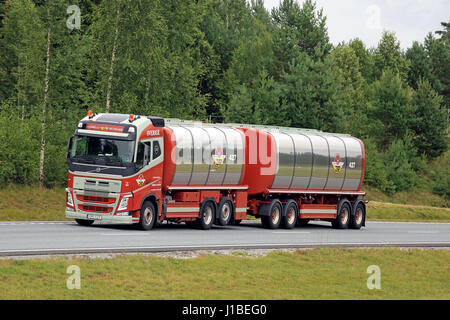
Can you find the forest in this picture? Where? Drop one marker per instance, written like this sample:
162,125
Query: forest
218,61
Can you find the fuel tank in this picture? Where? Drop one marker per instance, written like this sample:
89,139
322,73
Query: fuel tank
261,158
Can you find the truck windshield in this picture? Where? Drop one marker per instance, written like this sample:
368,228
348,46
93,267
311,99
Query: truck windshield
95,150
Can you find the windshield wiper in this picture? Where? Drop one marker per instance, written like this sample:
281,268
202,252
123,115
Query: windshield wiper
83,159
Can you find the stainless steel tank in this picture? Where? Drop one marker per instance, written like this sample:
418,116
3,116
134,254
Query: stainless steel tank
317,160
208,155
305,159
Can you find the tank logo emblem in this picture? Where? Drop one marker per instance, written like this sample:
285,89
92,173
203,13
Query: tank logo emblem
219,158
337,164
140,180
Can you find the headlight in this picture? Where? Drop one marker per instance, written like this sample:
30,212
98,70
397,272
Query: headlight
69,199
123,203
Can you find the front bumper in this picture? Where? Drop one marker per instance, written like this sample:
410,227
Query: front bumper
70,214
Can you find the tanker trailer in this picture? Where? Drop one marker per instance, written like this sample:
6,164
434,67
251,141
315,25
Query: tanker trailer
144,170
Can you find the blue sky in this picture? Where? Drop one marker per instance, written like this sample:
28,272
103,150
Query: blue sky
411,20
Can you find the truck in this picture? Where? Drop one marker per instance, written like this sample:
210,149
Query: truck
144,170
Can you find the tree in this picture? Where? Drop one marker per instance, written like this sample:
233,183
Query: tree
311,91
24,42
260,103
388,55
299,29
421,67
365,58
430,121
439,53
390,109
345,64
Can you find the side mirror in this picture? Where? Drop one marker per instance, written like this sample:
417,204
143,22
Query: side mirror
69,148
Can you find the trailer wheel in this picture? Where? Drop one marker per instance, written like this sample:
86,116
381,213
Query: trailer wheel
83,222
148,216
358,216
207,214
343,217
226,211
273,220
290,215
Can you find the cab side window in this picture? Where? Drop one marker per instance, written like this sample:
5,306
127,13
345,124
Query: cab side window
156,150
143,154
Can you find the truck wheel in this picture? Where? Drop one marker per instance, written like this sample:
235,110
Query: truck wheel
273,220
357,218
289,219
343,217
83,222
207,214
148,216
226,210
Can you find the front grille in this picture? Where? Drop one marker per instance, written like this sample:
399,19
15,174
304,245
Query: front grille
95,199
95,208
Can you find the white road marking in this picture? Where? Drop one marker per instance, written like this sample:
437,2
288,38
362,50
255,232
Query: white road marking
292,232
424,232
124,234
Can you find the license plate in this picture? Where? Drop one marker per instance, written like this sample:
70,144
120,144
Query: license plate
94,216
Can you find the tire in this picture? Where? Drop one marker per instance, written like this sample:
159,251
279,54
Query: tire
290,215
273,220
358,216
302,222
225,211
207,214
148,216
85,223
343,217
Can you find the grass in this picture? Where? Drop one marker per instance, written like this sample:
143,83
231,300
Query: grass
31,203
27,203
305,274
381,211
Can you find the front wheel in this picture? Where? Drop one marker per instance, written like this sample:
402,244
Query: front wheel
148,216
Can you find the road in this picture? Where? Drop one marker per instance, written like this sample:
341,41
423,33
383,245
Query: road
37,238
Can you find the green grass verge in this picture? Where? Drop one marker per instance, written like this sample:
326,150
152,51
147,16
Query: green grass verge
304,274
380,211
30,203
18,203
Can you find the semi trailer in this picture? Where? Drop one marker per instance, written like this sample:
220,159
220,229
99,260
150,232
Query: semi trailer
144,170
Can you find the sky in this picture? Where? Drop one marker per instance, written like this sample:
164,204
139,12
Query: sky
411,20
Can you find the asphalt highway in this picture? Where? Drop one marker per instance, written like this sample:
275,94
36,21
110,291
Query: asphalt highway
41,238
